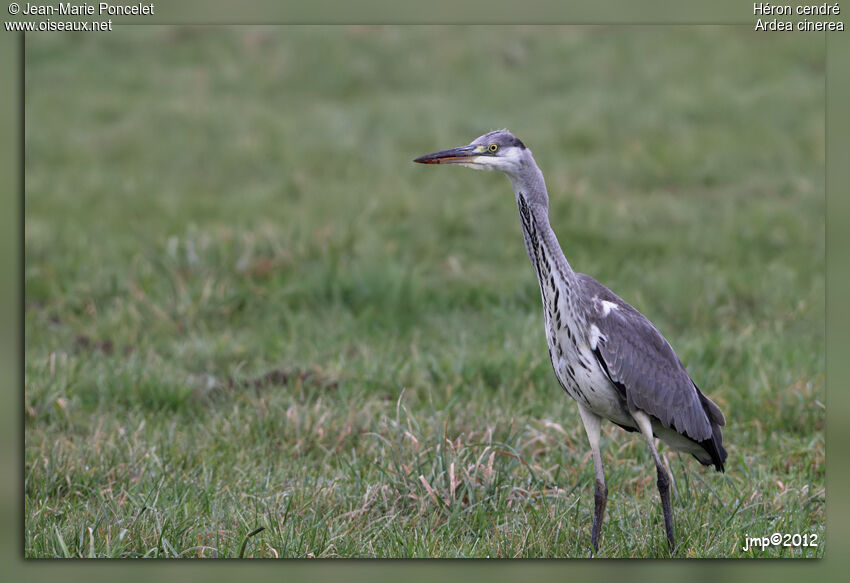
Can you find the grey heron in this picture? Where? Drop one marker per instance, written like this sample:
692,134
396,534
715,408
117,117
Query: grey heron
607,356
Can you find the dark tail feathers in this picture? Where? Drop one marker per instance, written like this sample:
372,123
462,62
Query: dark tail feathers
714,444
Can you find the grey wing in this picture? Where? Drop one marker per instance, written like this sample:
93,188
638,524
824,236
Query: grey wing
644,367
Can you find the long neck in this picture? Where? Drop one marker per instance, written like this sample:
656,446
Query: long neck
541,244
558,284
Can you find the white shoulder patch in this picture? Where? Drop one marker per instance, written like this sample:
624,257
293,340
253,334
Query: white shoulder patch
608,306
594,336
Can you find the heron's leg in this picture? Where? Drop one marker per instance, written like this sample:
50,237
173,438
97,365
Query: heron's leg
645,426
600,492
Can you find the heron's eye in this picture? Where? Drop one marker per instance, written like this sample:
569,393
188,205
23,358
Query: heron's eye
493,148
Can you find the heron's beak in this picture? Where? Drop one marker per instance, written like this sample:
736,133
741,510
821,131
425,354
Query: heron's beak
453,156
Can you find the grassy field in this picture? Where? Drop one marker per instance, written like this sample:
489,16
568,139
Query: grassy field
246,308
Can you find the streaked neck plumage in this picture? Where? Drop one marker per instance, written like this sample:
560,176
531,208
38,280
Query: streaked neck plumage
533,201
558,283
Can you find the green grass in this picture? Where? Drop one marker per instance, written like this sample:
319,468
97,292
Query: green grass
246,307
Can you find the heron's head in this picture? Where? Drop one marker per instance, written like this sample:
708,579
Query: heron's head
499,150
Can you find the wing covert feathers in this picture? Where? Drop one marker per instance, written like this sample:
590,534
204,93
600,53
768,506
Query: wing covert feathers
641,363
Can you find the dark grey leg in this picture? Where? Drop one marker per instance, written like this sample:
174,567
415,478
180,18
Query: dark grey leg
645,426
600,499
664,492
592,424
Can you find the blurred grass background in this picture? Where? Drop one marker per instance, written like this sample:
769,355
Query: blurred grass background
246,308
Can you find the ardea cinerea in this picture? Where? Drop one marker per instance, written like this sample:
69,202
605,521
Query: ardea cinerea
606,355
